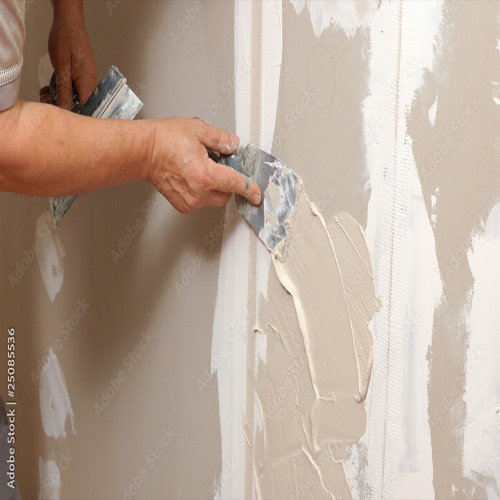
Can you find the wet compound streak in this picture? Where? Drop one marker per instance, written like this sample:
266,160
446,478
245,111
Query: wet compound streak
311,391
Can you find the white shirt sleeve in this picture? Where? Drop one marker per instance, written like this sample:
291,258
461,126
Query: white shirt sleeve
12,33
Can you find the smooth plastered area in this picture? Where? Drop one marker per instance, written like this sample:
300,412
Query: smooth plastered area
312,388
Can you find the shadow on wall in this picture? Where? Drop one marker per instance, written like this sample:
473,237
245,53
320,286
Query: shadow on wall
126,256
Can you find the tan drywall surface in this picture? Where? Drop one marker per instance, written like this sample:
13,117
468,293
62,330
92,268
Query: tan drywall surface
320,134
458,161
319,126
145,328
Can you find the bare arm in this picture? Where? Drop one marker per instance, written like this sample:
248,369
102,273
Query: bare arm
48,151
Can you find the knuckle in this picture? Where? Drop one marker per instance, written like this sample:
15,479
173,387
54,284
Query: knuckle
232,184
186,207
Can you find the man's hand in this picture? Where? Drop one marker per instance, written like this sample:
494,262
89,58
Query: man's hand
71,53
182,171
93,153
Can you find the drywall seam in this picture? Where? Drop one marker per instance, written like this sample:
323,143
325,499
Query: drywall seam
254,126
229,352
380,459
402,40
386,410
232,358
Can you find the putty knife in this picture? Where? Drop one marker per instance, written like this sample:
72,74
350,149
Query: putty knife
112,98
273,219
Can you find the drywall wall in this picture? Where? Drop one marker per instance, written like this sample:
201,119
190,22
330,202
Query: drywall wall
117,306
457,158
362,119
175,357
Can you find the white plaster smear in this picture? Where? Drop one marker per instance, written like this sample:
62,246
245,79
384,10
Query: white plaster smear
347,14
432,111
229,342
482,432
55,405
49,255
399,464
50,480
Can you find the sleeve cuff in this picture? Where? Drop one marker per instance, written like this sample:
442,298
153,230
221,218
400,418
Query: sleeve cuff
9,93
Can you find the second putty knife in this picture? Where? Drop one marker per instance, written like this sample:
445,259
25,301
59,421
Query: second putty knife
273,219
112,98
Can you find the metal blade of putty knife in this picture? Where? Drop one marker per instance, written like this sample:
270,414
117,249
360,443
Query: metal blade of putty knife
112,98
273,219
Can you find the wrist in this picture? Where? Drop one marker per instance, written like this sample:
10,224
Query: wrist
144,132
68,9
150,164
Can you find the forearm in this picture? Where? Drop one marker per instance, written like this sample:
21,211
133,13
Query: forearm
50,152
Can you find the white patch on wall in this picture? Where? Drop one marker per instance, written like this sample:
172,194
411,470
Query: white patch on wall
403,38
229,342
434,198
496,92
55,405
482,431
432,111
423,294
346,14
49,255
50,480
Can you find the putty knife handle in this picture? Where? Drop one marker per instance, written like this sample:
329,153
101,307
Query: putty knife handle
234,161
